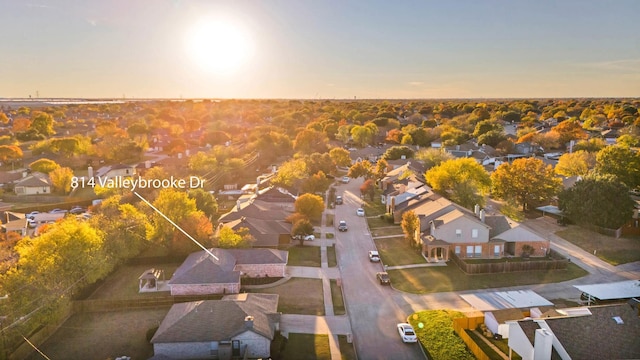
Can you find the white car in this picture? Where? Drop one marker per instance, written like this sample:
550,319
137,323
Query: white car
406,333
360,212
345,179
374,256
305,237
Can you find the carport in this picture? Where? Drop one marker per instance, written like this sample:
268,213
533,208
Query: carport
620,290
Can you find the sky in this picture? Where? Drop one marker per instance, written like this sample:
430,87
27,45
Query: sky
322,49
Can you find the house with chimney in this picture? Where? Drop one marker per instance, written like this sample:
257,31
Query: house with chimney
594,332
447,228
35,184
239,326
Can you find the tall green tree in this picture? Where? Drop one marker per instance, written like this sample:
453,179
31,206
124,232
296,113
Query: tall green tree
525,181
290,173
463,180
302,228
42,123
340,157
318,183
205,202
620,161
601,200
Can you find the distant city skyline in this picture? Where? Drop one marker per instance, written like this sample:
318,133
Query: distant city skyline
319,49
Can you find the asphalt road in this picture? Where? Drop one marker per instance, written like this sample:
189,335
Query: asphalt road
372,308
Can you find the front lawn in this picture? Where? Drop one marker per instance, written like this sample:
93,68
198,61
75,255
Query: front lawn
451,278
331,256
387,231
336,298
612,250
304,256
435,332
396,251
307,347
376,222
298,296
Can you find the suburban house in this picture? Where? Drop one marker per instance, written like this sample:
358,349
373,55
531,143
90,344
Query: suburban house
268,233
34,184
448,228
114,171
202,274
483,154
595,332
239,326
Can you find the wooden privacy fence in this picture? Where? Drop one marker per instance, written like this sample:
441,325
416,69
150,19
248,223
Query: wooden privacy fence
465,323
510,266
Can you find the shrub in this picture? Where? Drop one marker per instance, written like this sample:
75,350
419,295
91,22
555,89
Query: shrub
435,332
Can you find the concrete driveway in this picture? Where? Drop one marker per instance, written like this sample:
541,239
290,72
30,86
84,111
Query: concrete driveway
372,308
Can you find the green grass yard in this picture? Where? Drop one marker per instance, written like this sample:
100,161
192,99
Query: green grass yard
612,250
307,347
304,256
451,278
298,296
396,251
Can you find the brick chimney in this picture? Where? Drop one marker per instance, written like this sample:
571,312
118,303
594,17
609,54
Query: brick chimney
248,322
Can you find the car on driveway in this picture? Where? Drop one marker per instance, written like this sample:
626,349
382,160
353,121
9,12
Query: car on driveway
383,277
77,210
406,333
360,212
342,226
304,237
374,256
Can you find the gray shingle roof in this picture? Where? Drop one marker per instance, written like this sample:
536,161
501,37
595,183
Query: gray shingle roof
202,268
259,256
219,320
598,336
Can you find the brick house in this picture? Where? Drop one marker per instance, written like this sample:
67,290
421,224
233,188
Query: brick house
237,326
201,274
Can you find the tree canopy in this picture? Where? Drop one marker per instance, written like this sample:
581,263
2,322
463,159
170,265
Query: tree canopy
599,200
463,180
620,161
526,181
309,205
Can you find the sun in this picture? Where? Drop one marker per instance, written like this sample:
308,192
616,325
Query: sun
219,46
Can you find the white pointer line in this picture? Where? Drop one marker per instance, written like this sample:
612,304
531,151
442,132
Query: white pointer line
176,226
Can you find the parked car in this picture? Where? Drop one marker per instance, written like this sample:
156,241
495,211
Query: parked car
339,200
383,277
360,212
374,256
345,179
310,237
77,210
406,333
342,226
32,214
57,211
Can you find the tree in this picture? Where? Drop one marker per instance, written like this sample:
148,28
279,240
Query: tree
61,179
410,225
198,226
318,183
309,141
125,228
363,135
42,123
340,157
361,168
492,138
66,146
592,145
177,206
432,157
63,258
319,162
525,181
602,200
380,170
397,152
44,166
300,229
620,161
578,163
486,126
227,238
368,188
290,172
10,153
569,130
462,179
205,202
309,205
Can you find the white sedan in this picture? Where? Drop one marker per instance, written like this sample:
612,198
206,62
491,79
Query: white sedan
406,333
360,212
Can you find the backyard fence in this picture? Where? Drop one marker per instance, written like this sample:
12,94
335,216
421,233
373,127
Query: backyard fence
557,262
470,323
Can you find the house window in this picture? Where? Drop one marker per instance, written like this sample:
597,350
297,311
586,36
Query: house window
457,250
459,232
496,250
474,233
478,252
470,251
